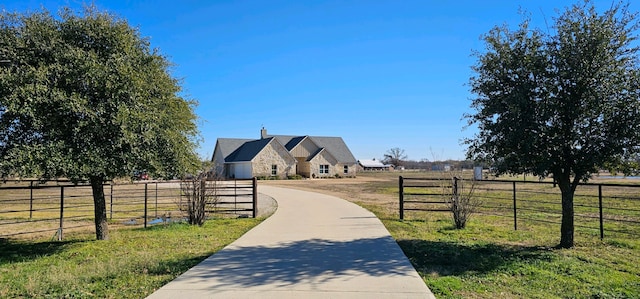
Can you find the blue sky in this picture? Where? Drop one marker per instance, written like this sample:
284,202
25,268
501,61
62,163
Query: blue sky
379,74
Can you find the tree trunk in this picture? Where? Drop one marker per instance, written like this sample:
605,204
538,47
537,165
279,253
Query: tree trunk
100,208
567,227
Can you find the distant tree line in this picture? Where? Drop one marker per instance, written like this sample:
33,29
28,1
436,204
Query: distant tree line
438,165
397,157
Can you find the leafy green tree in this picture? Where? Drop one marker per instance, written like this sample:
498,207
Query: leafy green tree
630,165
563,103
83,96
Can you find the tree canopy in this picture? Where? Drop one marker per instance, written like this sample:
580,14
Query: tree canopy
394,156
84,96
562,102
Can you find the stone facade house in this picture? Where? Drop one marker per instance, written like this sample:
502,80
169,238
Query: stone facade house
282,156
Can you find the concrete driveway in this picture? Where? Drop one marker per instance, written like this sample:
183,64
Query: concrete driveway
313,246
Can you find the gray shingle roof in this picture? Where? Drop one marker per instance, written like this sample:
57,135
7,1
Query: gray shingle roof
239,150
285,140
318,152
248,150
293,142
335,146
229,145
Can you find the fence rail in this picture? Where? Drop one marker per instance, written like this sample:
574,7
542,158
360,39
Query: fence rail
607,208
34,207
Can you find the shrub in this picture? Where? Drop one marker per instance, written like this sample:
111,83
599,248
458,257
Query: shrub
200,196
461,202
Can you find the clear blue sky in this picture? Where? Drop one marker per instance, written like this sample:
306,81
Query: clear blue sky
379,74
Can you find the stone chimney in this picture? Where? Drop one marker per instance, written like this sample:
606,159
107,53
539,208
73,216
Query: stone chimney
263,133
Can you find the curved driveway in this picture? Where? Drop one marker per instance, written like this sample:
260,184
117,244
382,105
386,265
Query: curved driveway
313,246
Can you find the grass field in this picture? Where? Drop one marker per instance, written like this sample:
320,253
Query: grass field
132,264
36,212
488,259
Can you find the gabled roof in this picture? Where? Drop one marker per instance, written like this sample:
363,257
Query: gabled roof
248,150
288,141
334,145
320,150
337,148
293,142
229,145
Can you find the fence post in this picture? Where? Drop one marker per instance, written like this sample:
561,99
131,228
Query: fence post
61,213
145,204
515,213
200,206
111,201
401,196
31,200
156,200
235,196
601,218
255,197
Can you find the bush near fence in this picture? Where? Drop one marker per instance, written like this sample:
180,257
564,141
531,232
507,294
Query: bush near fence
603,210
51,208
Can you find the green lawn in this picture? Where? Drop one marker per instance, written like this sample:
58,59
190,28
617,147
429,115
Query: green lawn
489,259
132,264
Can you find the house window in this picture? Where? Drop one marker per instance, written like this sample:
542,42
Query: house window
346,169
324,169
274,169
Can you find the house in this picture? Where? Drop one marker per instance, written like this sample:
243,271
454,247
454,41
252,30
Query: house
282,156
373,165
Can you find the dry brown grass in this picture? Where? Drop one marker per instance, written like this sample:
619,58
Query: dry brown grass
369,189
378,192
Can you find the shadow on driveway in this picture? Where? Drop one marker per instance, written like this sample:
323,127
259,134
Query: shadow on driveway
315,261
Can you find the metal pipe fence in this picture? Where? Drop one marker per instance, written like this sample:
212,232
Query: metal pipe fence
30,207
604,208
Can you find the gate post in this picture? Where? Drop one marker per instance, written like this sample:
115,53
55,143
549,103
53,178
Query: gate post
156,199
255,197
31,200
401,196
111,200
